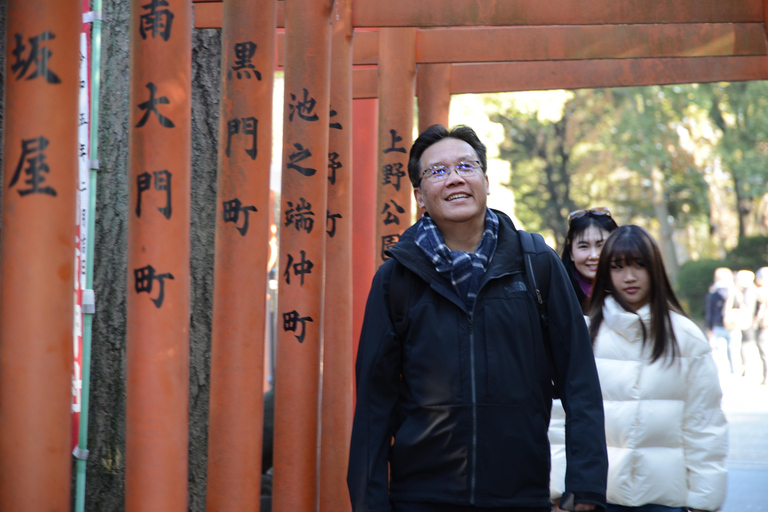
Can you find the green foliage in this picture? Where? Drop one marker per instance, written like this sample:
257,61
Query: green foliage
740,112
693,280
750,254
546,154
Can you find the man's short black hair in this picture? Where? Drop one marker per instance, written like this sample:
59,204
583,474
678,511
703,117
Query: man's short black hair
436,133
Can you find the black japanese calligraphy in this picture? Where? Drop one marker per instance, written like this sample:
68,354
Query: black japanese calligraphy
331,219
395,139
333,166
391,174
162,183
304,266
150,107
305,108
291,322
301,215
33,153
232,210
388,241
248,126
243,67
38,55
144,279
157,21
335,126
391,218
301,154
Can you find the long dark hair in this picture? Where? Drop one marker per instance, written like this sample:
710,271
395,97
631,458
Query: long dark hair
629,245
576,228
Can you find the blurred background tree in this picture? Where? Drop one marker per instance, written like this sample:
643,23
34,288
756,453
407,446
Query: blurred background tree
684,161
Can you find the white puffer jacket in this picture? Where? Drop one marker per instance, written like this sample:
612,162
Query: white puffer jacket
666,433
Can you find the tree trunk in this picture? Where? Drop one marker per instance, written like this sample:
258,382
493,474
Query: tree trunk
665,230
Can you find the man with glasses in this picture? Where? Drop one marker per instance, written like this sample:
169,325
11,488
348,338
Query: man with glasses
454,375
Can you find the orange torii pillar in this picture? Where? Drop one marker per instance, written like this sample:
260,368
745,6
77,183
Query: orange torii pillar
242,250
37,252
397,74
433,89
364,161
302,254
157,389
336,416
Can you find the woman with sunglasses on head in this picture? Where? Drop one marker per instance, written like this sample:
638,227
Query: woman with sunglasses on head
587,231
666,433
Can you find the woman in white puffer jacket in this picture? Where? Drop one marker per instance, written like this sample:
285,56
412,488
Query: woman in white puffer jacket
666,433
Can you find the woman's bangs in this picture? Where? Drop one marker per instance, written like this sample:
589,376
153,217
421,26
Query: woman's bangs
627,252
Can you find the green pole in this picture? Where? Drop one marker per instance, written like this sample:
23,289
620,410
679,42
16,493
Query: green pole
88,300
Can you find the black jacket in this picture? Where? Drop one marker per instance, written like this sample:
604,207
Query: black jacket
714,304
467,395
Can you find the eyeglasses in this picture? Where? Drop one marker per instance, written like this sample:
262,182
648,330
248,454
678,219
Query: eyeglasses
441,172
599,210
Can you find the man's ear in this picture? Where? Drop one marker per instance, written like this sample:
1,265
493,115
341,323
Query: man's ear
417,196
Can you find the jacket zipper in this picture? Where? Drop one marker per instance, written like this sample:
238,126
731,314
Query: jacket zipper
473,476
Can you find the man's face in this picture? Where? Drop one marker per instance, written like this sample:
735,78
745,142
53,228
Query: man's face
456,199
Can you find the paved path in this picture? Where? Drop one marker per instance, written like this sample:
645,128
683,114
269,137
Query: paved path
745,404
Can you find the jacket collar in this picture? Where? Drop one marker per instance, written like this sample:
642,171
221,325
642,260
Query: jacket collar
625,323
507,257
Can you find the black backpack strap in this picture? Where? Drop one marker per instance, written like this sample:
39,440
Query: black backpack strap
537,277
400,289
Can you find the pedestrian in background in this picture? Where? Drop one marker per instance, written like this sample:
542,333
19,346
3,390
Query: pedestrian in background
761,319
587,231
720,337
666,433
742,306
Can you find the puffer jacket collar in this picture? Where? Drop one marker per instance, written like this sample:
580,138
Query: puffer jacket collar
626,323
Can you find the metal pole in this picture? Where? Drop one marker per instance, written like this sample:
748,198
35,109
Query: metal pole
157,388
36,252
242,250
302,254
88,311
337,351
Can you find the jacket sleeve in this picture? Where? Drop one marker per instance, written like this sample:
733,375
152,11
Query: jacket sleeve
579,390
556,435
705,433
377,380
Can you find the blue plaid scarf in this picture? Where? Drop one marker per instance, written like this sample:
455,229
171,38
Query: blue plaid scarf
463,269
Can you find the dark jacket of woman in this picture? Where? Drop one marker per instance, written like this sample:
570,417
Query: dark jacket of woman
466,395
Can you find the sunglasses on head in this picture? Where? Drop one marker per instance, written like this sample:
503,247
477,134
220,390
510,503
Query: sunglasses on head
577,214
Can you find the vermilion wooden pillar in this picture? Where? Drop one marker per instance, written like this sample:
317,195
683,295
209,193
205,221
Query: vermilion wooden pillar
157,387
302,254
242,250
337,343
36,257
364,139
433,89
397,74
